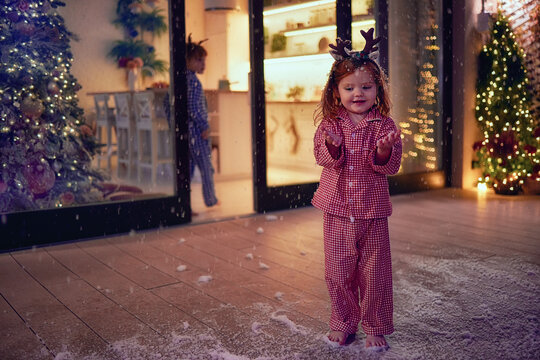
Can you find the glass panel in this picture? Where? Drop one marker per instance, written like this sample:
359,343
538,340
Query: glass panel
223,26
296,66
415,29
83,121
362,19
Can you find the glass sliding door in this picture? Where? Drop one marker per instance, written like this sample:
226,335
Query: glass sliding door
296,64
89,126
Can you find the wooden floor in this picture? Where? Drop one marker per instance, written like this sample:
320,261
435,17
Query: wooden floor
466,286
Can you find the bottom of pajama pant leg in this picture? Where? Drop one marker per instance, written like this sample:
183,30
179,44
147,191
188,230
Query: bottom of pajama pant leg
336,325
378,330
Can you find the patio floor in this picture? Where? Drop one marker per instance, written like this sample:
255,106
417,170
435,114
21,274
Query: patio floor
466,286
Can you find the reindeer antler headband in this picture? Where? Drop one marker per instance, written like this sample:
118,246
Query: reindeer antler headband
343,50
191,43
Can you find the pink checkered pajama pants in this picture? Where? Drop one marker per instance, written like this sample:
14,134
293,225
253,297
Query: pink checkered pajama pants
358,267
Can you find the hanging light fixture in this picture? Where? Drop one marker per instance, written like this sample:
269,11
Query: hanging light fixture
214,5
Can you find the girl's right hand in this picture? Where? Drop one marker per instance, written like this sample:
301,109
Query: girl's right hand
332,138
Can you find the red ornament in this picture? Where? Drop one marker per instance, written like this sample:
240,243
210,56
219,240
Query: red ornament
53,88
504,145
39,176
477,145
530,149
23,5
67,198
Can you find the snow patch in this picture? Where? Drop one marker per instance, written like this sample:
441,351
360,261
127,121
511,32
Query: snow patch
271,217
256,327
181,240
278,295
290,324
249,256
204,278
181,268
263,266
260,230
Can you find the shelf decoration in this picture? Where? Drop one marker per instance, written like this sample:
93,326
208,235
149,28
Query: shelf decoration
45,146
138,17
509,152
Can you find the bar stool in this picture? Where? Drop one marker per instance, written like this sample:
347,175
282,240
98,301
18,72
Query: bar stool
127,137
105,122
153,133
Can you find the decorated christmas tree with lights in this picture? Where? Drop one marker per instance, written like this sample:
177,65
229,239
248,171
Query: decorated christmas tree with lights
508,154
45,146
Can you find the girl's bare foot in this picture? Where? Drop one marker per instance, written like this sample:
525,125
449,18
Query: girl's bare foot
337,336
376,342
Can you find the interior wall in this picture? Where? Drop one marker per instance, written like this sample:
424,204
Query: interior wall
95,71
467,44
196,26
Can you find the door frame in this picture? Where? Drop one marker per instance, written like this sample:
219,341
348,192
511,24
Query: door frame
298,195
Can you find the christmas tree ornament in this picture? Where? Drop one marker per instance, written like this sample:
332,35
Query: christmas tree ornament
52,88
32,108
23,5
13,16
39,176
25,28
67,198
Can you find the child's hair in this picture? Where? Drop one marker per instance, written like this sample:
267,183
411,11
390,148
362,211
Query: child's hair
330,102
195,50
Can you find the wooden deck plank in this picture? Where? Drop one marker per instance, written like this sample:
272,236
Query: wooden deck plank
18,340
132,268
52,321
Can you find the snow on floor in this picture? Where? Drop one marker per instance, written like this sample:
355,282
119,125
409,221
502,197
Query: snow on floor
460,308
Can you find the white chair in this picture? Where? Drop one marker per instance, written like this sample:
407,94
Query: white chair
104,124
153,133
127,137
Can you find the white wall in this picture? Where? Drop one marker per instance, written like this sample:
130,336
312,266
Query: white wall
95,71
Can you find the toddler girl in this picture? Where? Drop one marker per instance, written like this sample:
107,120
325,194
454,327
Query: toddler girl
357,145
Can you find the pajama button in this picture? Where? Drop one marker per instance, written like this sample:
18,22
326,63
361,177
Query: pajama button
350,183
351,167
353,135
352,218
352,151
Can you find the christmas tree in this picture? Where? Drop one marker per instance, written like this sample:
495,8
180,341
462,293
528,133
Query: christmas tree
508,153
45,146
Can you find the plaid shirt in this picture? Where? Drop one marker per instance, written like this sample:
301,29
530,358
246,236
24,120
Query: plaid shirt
352,185
197,110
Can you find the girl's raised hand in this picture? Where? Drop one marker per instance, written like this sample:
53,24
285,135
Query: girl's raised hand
385,143
332,138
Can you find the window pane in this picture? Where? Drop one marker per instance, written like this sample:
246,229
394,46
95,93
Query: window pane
362,19
296,67
415,41
83,121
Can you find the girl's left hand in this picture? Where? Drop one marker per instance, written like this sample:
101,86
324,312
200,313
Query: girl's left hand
385,143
